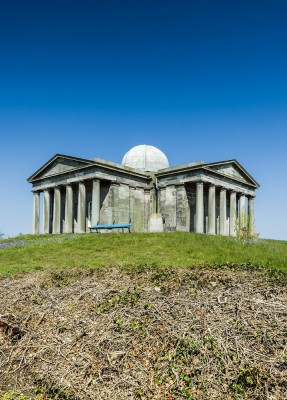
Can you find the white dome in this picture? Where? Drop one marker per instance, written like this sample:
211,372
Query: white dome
145,158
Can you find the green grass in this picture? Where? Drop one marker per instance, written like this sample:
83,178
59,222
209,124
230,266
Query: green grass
162,250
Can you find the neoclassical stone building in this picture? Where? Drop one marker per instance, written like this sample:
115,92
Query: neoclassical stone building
75,193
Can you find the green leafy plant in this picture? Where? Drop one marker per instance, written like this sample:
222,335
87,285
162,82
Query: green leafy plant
13,395
245,227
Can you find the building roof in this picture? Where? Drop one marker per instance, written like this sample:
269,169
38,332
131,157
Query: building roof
145,158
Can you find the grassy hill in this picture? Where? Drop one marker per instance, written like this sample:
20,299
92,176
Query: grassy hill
28,253
142,316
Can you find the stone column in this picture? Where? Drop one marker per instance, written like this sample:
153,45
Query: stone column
46,212
251,214
82,208
211,210
199,216
233,215
69,210
181,200
242,211
36,213
57,211
95,202
222,215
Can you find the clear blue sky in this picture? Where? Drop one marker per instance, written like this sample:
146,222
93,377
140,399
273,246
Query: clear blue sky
200,79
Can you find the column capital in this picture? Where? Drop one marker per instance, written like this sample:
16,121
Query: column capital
199,183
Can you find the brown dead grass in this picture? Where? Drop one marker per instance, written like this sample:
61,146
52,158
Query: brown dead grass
155,334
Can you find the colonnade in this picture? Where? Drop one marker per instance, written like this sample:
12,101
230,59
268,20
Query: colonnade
235,211
57,222
215,211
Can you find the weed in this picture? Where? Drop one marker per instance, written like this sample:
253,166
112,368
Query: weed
111,300
12,395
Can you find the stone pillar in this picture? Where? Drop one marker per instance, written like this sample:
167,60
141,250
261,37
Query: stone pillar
222,215
211,210
57,211
69,210
251,214
36,213
242,211
82,208
46,212
96,202
199,216
181,200
233,213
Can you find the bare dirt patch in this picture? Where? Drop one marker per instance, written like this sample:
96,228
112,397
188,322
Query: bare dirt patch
154,334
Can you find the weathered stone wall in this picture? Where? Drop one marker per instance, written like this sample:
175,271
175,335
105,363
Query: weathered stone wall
191,196
148,207
105,204
121,204
182,206
138,204
170,208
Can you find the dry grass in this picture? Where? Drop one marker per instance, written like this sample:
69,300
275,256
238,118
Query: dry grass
152,334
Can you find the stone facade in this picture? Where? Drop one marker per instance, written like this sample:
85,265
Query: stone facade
74,193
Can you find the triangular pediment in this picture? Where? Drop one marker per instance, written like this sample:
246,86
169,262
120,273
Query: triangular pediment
58,165
234,170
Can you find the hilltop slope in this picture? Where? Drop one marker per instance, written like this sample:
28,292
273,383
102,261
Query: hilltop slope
136,317
28,253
